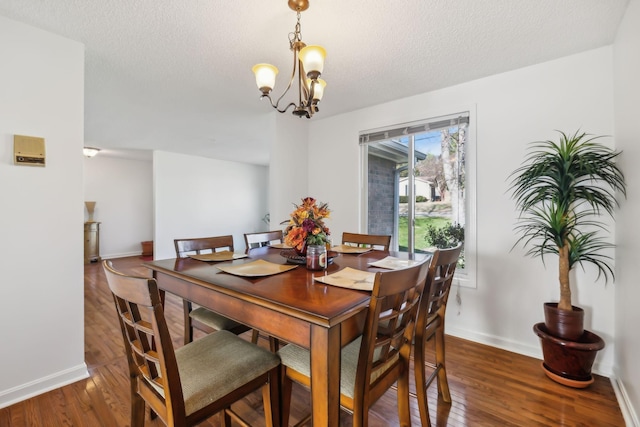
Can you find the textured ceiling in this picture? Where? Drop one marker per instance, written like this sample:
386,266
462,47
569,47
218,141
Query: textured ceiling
176,75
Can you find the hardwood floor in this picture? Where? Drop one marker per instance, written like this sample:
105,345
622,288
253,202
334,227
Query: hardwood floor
489,387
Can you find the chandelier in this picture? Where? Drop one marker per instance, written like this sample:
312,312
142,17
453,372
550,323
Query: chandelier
308,62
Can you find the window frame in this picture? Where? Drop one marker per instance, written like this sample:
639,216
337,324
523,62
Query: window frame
466,277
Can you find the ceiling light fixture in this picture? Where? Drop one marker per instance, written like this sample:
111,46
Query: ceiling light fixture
308,61
90,151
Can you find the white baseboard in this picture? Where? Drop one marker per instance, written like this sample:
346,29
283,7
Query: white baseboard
122,255
628,412
495,341
43,385
518,347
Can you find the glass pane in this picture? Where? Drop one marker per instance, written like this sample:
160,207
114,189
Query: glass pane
440,217
432,204
386,159
416,187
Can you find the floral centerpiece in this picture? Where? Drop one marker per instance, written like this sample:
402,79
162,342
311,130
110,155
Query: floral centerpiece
306,225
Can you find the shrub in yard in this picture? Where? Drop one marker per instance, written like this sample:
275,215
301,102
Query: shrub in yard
419,199
446,237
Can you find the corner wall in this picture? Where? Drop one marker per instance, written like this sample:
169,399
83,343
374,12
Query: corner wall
123,192
287,167
201,197
627,95
42,315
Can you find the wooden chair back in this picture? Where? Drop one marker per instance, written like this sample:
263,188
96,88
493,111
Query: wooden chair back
155,368
379,358
201,318
257,240
441,270
387,338
150,353
376,241
430,324
202,245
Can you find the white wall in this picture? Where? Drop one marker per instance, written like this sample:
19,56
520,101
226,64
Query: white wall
287,167
199,197
512,109
627,94
123,191
42,315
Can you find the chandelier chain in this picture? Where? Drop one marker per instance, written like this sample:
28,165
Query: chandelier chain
296,36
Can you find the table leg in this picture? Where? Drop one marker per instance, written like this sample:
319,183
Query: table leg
325,375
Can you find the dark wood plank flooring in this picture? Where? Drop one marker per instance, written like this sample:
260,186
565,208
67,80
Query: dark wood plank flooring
489,386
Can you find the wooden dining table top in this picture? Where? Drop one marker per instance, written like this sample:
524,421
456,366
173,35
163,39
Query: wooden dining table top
294,291
295,288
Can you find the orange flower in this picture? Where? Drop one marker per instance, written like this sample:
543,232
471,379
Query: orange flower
306,224
296,238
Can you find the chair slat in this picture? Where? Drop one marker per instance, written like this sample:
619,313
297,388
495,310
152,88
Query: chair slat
367,240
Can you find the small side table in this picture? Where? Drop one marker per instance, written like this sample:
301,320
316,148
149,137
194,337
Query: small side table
91,242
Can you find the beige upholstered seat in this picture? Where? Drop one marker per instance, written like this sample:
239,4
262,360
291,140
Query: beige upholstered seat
257,240
185,386
201,318
375,241
379,357
430,324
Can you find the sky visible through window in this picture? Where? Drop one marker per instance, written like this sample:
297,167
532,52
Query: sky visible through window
427,143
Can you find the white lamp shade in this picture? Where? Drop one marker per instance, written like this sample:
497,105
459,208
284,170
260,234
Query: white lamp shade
318,88
265,76
312,58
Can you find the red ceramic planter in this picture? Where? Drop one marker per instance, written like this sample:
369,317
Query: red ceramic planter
571,360
568,325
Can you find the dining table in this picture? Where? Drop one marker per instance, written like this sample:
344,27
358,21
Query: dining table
287,302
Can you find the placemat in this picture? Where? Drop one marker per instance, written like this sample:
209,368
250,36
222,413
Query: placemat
347,249
218,256
255,268
393,263
349,278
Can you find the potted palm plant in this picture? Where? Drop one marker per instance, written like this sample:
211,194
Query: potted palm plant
561,190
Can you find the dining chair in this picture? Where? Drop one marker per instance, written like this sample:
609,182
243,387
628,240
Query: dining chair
258,240
430,324
378,241
377,359
188,385
200,317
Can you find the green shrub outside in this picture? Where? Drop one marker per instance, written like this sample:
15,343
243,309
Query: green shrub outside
422,224
446,237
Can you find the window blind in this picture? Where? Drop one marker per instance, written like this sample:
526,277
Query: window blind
398,131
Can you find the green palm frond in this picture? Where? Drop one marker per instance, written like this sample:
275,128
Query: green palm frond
561,190
587,248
